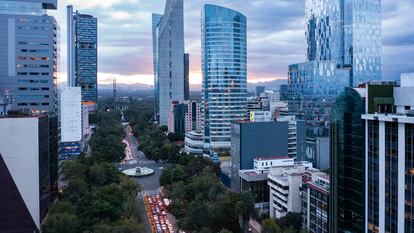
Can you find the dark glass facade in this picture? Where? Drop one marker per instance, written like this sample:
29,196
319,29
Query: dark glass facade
255,139
315,202
391,177
44,166
347,158
409,178
186,76
179,118
373,177
86,58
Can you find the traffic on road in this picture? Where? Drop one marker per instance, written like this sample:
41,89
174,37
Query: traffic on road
157,208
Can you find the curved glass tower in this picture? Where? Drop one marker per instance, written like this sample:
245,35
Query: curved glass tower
224,66
347,162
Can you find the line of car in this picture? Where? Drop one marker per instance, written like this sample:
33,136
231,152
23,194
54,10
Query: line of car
157,212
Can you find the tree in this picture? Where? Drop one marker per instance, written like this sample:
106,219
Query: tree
76,189
62,223
225,231
245,208
290,229
270,226
291,220
103,174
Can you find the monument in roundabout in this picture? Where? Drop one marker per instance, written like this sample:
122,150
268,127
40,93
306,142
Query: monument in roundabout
139,172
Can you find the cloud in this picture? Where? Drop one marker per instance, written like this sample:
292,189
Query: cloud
276,36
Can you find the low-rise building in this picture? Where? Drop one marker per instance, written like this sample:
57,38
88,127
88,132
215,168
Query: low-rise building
253,104
250,139
254,180
194,142
315,202
263,164
285,184
260,116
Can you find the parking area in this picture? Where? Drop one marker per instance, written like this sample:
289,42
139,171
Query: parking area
157,208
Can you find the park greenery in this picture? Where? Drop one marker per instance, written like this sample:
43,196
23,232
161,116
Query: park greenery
154,141
291,223
97,198
200,202
106,142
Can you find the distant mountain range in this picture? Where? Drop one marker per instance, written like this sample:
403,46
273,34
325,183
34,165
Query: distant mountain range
130,88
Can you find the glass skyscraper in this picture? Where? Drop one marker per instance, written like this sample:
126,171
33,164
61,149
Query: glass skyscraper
29,54
83,54
343,50
156,18
168,52
347,168
224,67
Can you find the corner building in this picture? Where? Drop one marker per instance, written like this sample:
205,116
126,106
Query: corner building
29,54
224,67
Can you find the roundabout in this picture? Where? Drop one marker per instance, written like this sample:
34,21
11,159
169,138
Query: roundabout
139,172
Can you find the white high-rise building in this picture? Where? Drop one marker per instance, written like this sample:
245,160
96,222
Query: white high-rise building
168,39
389,157
70,119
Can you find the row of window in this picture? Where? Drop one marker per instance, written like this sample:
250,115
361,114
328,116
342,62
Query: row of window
33,73
33,81
33,89
34,50
32,28
24,58
33,43
33,104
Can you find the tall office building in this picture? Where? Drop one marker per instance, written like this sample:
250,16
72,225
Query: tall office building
186,76
29,52
343,50
168,42
347,163
156,18
83,55
389,156
224,67
260,90
70,122
25,172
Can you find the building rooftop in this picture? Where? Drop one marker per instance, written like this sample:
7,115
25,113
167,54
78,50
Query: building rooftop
264,158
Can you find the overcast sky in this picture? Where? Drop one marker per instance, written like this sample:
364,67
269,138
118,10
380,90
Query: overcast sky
276,36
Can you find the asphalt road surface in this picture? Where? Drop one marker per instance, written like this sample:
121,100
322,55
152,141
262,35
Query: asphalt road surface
149,184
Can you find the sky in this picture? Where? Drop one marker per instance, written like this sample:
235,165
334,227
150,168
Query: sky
276,37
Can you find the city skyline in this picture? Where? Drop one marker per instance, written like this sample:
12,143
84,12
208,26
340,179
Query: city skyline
272,45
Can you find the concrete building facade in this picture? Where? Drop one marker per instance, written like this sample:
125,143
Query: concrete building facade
27,159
